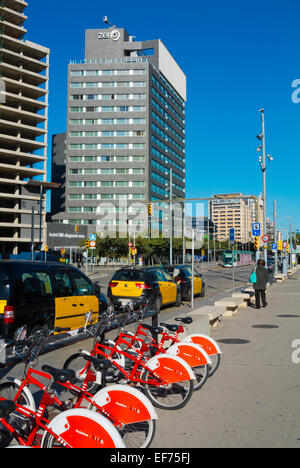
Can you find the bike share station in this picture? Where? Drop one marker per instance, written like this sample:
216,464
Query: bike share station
7,360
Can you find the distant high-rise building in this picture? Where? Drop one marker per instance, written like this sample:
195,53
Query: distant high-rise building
24,73
228,211
125,129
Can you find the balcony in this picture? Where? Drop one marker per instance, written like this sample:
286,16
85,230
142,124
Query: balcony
12,15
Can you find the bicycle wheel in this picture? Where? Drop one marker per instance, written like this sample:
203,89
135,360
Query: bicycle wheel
78,364
139,434
171,397
201,373
113,374
130,411
81,428
215,362
136,435
8,391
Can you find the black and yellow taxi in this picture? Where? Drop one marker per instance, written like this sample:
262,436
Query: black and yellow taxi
183,275
150,285
44,294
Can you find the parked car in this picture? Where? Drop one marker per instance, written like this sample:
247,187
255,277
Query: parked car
151,285
45,294
183,275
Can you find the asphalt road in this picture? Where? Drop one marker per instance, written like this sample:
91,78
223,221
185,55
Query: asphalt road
218,280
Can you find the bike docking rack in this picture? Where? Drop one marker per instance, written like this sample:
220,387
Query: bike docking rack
8,360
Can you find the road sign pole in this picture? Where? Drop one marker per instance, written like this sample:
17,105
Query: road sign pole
193,258
275,237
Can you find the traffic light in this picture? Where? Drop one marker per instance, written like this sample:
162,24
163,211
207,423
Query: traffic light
288,248
279,245
149,210
87,244
76,228
256,243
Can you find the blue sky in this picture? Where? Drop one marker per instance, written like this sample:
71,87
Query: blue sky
238,57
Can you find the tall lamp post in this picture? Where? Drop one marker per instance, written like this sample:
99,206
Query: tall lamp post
262,161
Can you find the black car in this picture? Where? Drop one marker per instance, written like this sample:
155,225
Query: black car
183,275
45,294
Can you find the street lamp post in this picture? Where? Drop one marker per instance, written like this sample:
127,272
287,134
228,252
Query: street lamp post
262,160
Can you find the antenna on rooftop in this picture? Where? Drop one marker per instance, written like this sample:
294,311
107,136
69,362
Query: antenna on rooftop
105,20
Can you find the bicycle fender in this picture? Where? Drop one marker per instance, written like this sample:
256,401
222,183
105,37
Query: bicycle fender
126,404
81,428
191,353
206,342
121,360
170,368
28,393
98,374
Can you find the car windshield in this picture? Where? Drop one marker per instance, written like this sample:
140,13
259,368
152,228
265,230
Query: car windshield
128,275
188,271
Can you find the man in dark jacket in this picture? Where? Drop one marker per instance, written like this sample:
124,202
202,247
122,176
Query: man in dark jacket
261,284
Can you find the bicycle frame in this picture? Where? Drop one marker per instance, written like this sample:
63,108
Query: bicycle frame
134,376
205,342
40,422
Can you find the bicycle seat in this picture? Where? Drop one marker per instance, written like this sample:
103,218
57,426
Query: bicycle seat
186,320
170,327
98,363
59,375
6,407
152,328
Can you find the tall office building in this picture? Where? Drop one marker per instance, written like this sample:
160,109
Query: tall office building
125,129
24,68
228,211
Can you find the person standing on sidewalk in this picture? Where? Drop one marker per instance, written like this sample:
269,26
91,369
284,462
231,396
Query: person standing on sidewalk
261,284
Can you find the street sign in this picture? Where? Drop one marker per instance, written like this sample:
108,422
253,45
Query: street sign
231,235
92,245
265,238
284,245
256,229
93,237
274,247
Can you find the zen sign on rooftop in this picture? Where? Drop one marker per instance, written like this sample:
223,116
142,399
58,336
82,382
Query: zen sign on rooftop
114,35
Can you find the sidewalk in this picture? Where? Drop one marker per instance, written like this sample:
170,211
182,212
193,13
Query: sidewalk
253,399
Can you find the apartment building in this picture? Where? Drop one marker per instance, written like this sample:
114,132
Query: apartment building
228,211
24,75
125,141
